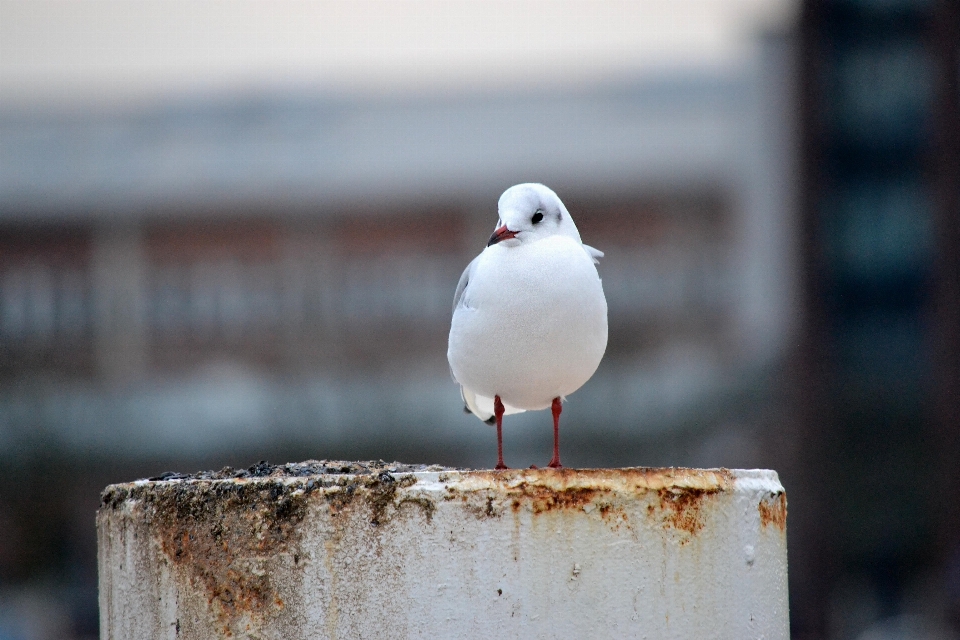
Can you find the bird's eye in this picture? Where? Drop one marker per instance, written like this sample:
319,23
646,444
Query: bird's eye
537,217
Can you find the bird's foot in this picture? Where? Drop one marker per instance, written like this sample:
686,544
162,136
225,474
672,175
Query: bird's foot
555,464
500,466
533,466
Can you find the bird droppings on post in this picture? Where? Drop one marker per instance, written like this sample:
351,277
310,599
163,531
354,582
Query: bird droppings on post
246,553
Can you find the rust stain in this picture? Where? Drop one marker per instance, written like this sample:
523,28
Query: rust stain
679,492
222,536
378,493
380,496
773,510
545,499
628,480
682,507
491,504
427,506
483,505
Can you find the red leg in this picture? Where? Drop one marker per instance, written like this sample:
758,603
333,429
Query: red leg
498,412
557,408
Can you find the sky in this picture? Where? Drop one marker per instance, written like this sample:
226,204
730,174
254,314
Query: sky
94,51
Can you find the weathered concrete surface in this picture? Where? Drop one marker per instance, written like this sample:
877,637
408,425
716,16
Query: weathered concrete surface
598,553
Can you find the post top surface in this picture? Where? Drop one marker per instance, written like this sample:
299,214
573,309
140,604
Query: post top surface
328,473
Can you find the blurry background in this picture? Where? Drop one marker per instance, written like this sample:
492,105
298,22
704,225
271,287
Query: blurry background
231,231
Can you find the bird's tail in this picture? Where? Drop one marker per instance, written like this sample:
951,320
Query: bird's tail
482,406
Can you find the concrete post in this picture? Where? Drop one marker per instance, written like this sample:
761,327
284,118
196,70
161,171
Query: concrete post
347,550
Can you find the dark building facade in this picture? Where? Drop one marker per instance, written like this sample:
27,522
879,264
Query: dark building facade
878,397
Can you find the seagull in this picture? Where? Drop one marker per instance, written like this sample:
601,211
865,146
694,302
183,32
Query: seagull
529,315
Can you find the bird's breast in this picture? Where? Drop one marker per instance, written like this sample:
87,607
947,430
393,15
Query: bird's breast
535,323
545,277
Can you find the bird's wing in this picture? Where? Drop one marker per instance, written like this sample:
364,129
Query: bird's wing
464,281
457,298
595,254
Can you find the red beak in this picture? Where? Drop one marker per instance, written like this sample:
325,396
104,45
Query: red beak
501,234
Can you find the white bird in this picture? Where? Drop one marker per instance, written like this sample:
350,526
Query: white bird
529,315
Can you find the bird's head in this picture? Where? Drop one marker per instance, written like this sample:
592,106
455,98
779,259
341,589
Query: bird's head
530,212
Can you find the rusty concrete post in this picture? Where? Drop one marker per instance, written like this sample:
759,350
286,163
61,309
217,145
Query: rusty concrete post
348,550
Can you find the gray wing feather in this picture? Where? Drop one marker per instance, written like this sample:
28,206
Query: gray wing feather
464,281
595,254
469,397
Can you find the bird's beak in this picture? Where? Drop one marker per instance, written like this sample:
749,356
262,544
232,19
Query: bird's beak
501,234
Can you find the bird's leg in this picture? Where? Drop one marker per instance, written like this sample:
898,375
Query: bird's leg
557,408
498,412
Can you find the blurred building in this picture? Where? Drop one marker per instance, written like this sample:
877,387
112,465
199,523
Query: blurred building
279,267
